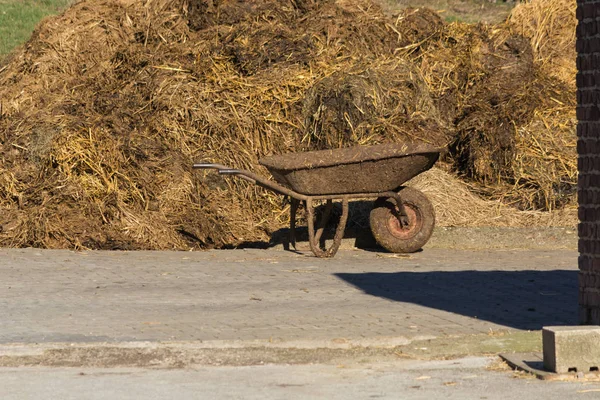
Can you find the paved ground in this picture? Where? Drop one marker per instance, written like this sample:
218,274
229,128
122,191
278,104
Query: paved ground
276,296
465,379
281,325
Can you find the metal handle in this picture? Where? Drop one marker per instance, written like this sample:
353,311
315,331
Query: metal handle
237,172
251,177
210,166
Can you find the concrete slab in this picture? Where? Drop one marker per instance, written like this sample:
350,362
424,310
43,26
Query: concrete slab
571,348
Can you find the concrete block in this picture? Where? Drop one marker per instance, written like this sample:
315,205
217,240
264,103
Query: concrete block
571,348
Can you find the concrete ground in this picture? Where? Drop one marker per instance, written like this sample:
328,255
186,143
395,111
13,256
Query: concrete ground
277,296
278,324
464,379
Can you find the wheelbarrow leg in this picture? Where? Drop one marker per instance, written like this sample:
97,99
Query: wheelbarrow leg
313,239
294,203
323,223
341,228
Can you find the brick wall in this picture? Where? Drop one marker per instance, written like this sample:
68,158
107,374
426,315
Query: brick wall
588,148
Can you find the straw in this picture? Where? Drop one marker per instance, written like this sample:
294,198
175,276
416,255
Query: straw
106,107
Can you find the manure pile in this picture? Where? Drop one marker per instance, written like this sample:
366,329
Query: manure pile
106,107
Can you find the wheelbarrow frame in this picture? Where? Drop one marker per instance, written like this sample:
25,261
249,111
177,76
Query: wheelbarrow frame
314,234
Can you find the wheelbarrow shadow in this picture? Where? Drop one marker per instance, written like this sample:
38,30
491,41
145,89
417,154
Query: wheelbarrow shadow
525,299
358,232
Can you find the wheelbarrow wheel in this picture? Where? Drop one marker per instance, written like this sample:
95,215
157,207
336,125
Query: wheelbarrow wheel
403,235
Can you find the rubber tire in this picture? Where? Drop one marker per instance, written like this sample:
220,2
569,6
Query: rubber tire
383,210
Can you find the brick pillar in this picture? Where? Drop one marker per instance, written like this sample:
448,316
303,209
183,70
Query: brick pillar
588,149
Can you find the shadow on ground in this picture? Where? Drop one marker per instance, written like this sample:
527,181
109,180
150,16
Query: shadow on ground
518,299
357,228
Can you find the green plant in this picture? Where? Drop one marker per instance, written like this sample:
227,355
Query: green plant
18,18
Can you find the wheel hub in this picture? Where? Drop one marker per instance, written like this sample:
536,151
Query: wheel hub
405,227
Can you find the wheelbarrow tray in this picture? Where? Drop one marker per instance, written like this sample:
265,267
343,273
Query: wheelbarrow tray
352,170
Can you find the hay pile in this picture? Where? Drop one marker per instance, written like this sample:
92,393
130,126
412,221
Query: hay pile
550,26
456,204
513,122
105,108
546,165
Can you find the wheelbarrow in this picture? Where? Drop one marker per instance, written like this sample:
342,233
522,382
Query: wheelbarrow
402,218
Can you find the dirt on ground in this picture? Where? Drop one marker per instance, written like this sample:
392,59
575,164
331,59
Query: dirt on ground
186,355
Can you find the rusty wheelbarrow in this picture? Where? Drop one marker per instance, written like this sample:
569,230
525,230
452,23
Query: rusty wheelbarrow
402,218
